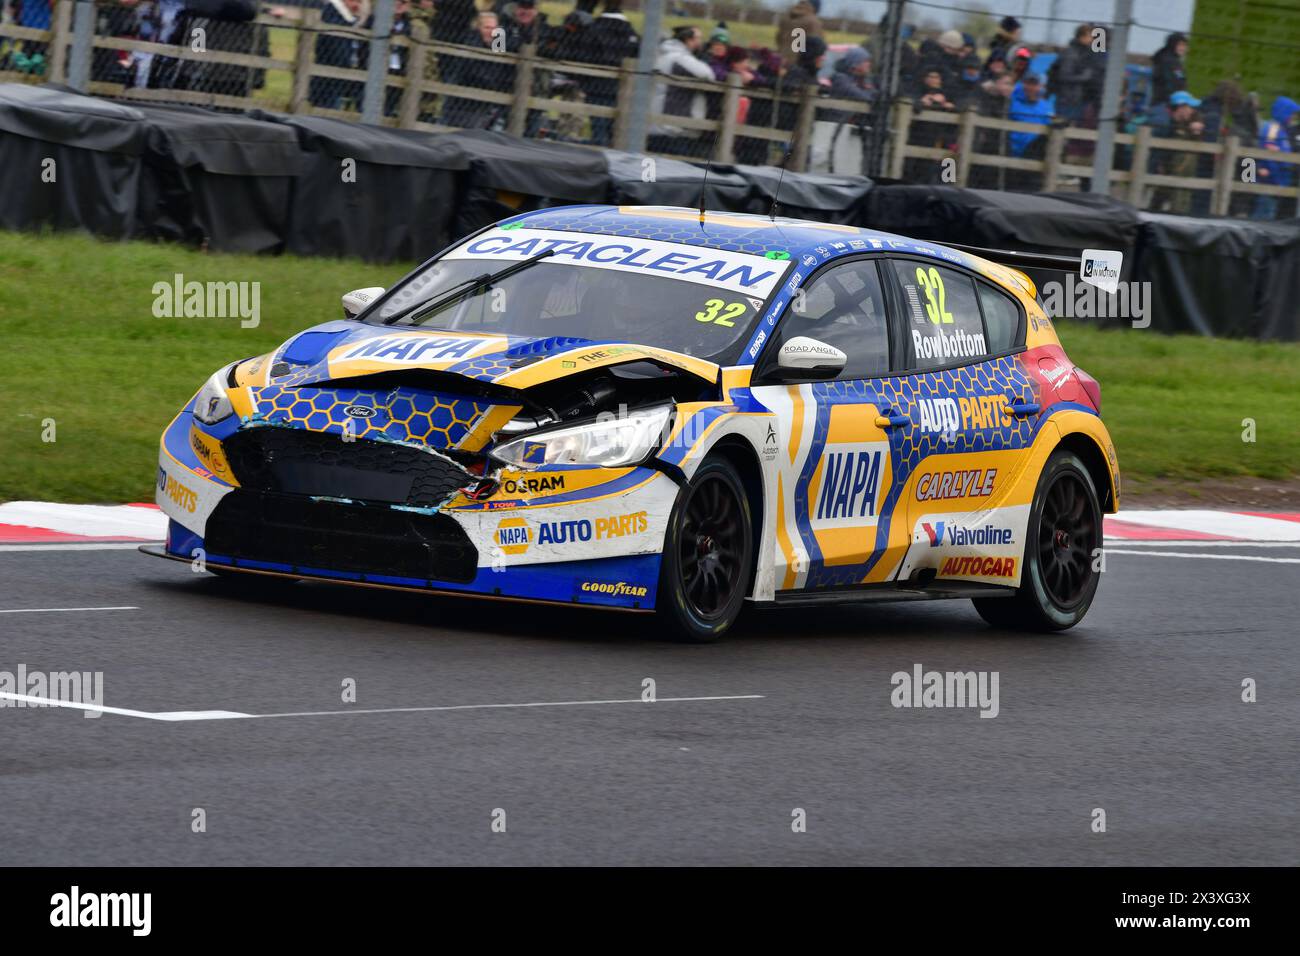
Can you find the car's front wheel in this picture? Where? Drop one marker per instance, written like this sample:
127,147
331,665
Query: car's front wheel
1059,571
708,554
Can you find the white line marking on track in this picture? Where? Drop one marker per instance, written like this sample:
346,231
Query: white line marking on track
53,610
1217,557
1126,543
79,546
178,715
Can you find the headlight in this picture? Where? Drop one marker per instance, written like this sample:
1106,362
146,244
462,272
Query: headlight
212,404
618,441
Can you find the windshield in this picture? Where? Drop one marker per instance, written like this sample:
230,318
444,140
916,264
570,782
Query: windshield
698,301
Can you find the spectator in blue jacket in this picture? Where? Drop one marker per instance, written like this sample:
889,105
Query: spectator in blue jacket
1029,106
1276,135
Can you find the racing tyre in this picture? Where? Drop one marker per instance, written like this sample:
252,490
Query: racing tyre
1058,580
708,554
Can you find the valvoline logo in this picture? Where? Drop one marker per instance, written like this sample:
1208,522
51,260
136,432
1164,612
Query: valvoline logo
963,537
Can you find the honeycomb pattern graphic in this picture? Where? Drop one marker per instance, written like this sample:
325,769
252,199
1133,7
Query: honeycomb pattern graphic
485,368
908,447
435,419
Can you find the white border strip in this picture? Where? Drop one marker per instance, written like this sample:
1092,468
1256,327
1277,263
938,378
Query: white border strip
52,610
1192,554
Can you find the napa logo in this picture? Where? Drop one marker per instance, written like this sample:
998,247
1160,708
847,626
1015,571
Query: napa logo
513,536
411,349
848,492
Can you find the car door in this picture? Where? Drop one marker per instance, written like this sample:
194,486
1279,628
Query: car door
972,414
836,476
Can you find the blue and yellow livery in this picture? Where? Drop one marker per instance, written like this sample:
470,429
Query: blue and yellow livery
645,408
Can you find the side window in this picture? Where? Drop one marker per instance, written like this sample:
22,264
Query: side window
943,315
1001,318
844,306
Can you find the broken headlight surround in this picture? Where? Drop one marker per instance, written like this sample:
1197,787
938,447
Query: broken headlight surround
609,441
212,403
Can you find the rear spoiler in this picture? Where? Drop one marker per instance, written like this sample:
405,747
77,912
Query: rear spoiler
1099,267
1023,260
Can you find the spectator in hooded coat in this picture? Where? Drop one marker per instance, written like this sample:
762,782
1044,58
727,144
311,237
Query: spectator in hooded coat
1168,72
1004,41
852,79
802,16
1275,135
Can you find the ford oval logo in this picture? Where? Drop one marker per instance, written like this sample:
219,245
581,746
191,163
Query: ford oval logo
359,411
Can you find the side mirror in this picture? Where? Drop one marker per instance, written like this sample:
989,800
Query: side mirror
804,357
358,300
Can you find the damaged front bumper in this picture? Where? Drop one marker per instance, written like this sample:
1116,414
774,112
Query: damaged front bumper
569,534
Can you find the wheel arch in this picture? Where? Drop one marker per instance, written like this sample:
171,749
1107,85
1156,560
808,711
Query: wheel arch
1094,459
744,458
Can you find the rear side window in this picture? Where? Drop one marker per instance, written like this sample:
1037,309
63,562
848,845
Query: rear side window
1001,319
944,326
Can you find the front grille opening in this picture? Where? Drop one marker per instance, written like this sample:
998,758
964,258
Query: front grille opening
337,536
299,462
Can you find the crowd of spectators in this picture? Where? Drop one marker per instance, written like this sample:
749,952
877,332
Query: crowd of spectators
948,72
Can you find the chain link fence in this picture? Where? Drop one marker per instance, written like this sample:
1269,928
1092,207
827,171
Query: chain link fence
728,81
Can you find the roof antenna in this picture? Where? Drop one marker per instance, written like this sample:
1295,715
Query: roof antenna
780,179
704,180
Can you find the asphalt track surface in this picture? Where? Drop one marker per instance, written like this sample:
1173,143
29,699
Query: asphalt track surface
1138,711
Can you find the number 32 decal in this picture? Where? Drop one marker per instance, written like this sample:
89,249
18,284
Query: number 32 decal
935,296
721,313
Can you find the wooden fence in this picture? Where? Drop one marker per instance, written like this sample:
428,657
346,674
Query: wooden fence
420,88
1136,183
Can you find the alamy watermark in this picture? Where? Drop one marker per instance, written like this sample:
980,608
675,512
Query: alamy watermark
179,299
925,689
50,688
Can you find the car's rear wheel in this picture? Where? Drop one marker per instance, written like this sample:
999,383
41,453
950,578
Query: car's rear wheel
1059,574
708,554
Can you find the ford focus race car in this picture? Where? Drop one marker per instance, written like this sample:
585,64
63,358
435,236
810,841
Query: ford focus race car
659,409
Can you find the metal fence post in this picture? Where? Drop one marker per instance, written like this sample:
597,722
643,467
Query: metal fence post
875,147
644,82
1111,95
83,35
372,102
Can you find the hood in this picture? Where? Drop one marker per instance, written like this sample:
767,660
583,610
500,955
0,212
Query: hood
674,47
451,391
1284,108
341,350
